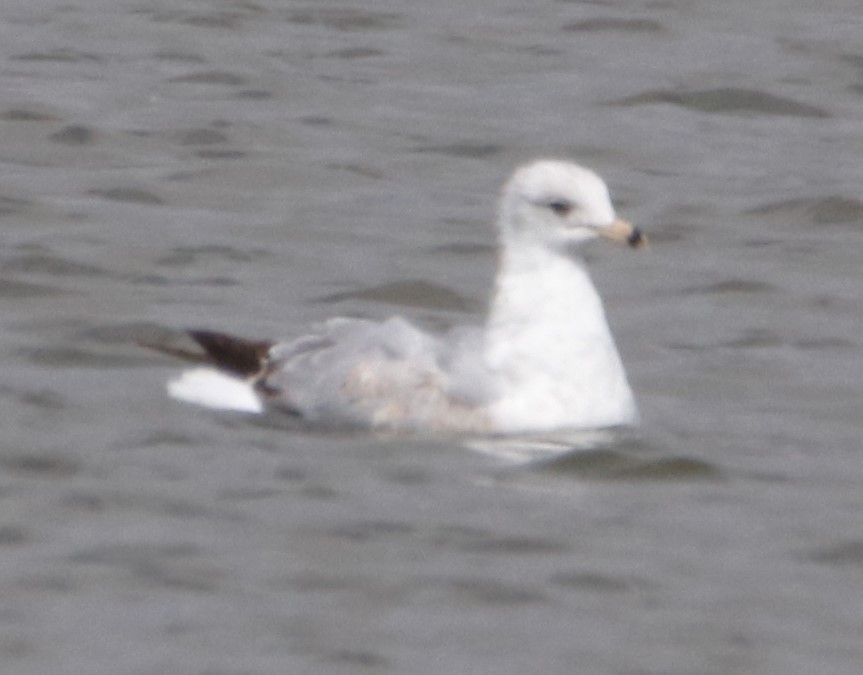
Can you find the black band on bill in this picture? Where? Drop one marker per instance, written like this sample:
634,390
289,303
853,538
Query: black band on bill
635,239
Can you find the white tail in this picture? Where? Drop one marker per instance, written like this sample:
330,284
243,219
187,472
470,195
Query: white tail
214,389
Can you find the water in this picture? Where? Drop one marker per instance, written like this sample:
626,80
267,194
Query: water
256,166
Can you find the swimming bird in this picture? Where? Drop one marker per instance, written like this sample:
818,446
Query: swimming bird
544,360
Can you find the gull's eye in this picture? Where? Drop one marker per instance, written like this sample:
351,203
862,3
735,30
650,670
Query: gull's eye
560,207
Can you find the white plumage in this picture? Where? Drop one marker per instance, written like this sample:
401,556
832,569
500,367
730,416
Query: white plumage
545,359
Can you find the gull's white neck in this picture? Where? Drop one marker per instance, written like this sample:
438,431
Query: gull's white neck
549,342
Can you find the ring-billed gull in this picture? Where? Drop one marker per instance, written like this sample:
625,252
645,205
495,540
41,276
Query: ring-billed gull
545,359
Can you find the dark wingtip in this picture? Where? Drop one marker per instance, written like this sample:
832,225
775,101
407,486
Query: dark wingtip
246,358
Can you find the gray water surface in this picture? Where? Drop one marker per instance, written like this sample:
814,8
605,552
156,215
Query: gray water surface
257,166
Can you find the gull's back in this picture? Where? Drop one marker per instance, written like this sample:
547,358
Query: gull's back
383,375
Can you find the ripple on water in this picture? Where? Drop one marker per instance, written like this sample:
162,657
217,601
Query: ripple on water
407,293
39,465
92,347
129,195
460,539
365,170
463,150
215,19
177,567
614,25
60,56
845,554
17,290
618,465
345,19
27,115
352,53
77,356
361,658
12,535
463,248
188,255
74,134
465,539
492,592
254,94
41,399
203,136
597,582
177,56
43,263
375,530
222,78
13,205
726,101
823,210
731,286
225,153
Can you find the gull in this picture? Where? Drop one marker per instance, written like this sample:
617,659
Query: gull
544,360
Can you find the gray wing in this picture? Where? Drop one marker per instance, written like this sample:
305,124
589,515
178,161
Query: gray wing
384,375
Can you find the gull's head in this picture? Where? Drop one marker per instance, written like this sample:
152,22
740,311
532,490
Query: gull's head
560,204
